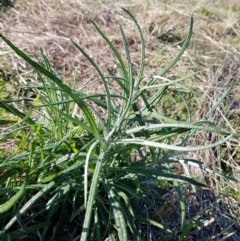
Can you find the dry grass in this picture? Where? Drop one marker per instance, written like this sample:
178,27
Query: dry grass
213,53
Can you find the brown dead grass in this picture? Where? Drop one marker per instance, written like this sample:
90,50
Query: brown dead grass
50,25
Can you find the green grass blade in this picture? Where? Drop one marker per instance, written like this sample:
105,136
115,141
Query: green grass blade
130,80
21,232
128,213
182,204
27,205
121,82
167,82
86,170
149,173
142,63
16,112
123,70
154,223
117,55
109,105
92,195
171,147
185,45
120,223
58,81
72,119
96,226
218,102
12,201
176,128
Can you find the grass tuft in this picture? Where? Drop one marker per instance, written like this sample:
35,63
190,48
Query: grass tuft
99,167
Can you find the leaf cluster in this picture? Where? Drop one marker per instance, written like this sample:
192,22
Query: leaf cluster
76,174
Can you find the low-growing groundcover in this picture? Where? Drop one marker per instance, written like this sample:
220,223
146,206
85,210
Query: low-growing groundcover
101,167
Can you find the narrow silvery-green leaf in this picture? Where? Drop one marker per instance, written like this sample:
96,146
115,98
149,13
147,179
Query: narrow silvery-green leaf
120,223
92,194
108,97
155,127
117,55
86,169
185,45
172,147
155,99
142,63
182,204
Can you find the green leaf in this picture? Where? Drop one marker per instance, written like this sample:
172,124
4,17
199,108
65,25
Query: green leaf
12,201
16,112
